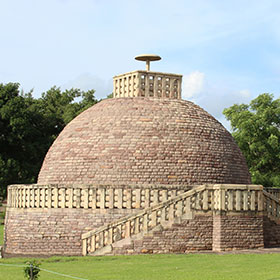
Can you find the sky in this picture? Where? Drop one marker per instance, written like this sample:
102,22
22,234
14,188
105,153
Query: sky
227,51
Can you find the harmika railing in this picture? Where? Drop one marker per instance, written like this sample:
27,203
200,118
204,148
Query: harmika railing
89,196
148,84
203,198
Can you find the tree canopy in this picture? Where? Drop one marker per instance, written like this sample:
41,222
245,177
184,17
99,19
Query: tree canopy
256,131
28,126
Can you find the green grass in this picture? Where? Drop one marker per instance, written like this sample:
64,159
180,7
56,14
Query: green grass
149,267
1,234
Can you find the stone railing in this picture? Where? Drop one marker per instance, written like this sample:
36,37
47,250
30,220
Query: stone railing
238,197
148,84
201,198
273,191
93,197
271,206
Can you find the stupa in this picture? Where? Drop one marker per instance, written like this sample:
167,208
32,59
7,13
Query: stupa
142,172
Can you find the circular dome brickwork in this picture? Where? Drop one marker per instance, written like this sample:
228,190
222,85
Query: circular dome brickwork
144,141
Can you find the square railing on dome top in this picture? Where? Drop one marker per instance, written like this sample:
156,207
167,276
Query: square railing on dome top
148,84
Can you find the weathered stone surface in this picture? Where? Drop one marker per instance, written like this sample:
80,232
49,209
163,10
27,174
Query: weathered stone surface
144,141
271,231
234,231
188,235
52,231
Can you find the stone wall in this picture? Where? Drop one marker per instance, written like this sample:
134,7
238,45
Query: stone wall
232,230
188,235
53,231
271,232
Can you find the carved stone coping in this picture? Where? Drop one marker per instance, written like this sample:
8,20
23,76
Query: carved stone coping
90,196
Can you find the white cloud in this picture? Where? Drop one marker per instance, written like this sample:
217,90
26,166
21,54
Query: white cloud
244,93
193,84
88,81
213,96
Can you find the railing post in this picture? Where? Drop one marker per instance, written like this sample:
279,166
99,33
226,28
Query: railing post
110,235
153,218
188,205
128,198
147,198
63,197
120,198
245,200
238,201
163,214
260,201
205,200
84,247
155,197
230,200
101,239
138,198
32,197
136,225
171,213
127,229
102,198
93,243
55,197
164,195
49,197
253,201
145,222
78,197
70,203
23,193
179,208
111,198
9,200
85,192
94,198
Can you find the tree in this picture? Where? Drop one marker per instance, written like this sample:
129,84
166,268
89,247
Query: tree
256,131
28,126
31,270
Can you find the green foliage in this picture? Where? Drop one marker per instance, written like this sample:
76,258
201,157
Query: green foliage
28,126
31,271
256,131
110,95
2,217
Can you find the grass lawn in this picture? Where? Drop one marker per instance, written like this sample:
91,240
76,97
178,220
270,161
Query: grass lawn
149,267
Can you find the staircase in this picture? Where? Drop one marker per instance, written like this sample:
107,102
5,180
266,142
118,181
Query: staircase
163,215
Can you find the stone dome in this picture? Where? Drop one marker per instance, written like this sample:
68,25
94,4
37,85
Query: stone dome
144,141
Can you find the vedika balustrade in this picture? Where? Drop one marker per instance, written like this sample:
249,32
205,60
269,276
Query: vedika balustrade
89,196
